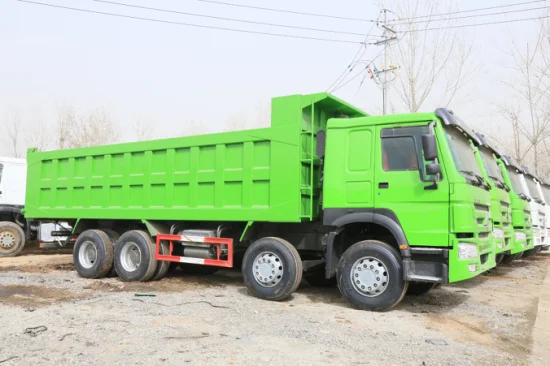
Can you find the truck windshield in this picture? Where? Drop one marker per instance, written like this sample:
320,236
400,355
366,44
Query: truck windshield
516,183
533,190
491,166
463,156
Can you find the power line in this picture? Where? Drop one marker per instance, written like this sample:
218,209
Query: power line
228,19
355,58
189,24
475,25
472,10
473,15
286,11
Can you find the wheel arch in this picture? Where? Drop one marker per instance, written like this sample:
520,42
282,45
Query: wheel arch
377,224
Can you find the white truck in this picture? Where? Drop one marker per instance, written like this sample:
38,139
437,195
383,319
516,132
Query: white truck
545,187
532,188
15,230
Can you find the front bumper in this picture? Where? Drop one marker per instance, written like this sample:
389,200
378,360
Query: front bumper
443,265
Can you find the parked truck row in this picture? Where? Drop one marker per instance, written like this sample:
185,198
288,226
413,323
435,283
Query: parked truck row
382,205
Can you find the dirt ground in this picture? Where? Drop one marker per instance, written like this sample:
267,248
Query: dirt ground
51,316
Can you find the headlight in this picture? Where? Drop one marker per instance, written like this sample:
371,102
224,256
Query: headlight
467,251
498,233
520,236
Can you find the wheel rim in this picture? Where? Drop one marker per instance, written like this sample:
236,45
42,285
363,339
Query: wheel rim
87,256
268,269
369,277
130,257
7,239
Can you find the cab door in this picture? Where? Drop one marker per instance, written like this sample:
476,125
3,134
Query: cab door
400,186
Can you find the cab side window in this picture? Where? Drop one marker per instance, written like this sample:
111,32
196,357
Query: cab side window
402,150
399,153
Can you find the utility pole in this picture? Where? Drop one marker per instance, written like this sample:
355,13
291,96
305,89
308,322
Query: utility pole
388,36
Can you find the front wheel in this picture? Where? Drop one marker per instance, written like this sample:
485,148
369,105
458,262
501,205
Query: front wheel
12,239
370,276
272,269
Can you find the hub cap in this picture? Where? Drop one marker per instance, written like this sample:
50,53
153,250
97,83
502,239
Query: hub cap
7,239
369,277
87,255
268,269
130,257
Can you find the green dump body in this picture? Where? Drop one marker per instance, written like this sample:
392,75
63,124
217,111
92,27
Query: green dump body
268,174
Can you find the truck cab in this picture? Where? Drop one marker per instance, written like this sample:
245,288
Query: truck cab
538,211
418,173
500,199
546,193
13,174
521,209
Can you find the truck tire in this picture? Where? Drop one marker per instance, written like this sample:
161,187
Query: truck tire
317,278
12,239
114,236
509,258
93,254
197,269
420,288
162,266
529,252
498,258
272,269
370,276
135,256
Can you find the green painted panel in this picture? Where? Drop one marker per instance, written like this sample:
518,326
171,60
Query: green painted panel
253,175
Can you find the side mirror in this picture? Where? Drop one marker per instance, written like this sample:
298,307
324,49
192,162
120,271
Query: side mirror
429,146
433,169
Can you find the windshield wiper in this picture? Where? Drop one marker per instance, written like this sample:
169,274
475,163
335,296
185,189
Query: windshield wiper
476,182
483,182
524,196
498,182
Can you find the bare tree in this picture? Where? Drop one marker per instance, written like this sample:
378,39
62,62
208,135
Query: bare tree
193,128
529,117
236,122
430,62
13,128
92,129
143,130
38,136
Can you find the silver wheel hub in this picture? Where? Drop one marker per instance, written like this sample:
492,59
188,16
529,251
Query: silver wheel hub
7,239
369,277
268,269
130,257
87,255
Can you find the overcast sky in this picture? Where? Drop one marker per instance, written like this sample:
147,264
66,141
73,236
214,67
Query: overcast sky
169,75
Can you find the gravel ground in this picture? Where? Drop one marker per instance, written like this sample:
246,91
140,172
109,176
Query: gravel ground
51,316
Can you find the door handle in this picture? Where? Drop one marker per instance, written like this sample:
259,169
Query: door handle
383,185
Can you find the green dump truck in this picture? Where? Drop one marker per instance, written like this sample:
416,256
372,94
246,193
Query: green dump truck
521,210
501,211
382,204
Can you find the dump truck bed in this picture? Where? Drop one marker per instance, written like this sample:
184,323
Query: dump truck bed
269,174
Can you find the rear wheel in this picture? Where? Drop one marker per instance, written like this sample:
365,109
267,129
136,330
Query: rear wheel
272,269
370,276
162,266
114,236
420,288
12,239
93,254
135,256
